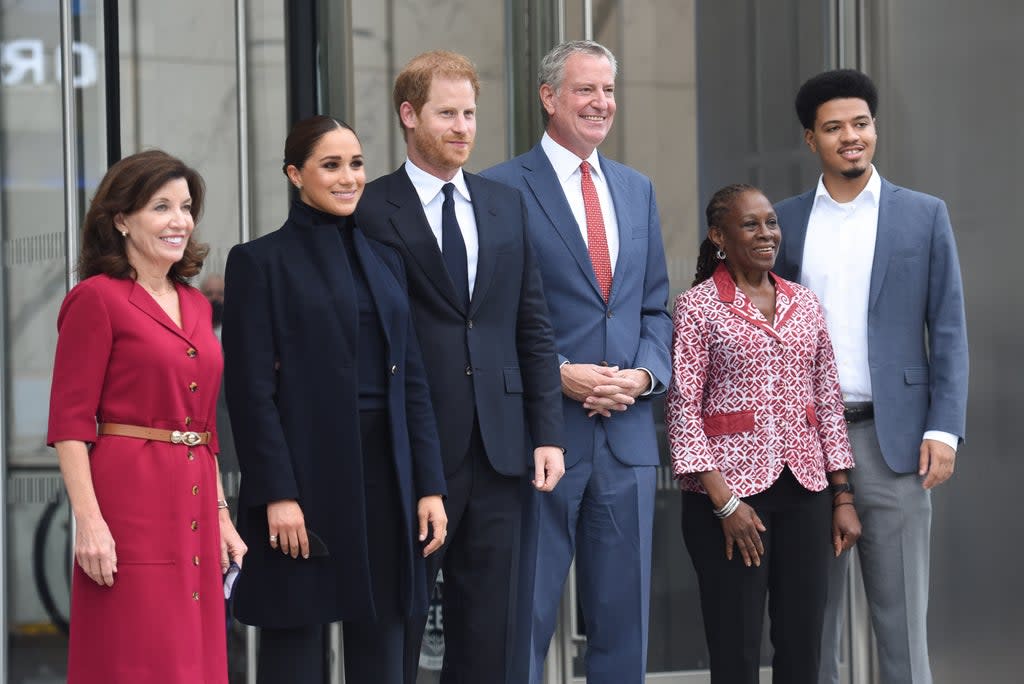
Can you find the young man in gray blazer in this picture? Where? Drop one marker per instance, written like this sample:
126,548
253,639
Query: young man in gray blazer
883,261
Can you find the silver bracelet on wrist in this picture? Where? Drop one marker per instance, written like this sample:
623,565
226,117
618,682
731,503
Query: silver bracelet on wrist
221,504
728,508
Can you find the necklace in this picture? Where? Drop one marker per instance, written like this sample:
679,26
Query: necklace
153,292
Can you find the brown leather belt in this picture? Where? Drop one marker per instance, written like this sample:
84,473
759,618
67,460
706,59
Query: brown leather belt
172,436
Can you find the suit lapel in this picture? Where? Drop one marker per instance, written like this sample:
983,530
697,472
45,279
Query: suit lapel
794,237
410,224
546,187
486,229
617,189
883,241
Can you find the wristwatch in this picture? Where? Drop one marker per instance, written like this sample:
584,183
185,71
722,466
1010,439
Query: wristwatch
841,488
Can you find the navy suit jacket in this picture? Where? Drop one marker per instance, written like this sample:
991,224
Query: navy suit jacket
499,356
633,329
291,376
917,332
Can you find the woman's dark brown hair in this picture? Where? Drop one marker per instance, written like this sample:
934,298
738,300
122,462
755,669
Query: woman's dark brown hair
127,186
720,203
305,135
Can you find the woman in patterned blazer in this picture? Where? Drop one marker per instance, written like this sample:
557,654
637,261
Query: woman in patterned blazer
757,438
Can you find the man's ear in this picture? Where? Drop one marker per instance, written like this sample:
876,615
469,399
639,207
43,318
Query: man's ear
408,116
547,98
809,140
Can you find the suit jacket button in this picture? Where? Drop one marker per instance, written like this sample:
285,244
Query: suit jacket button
191,352
609,314
469,370
394,369
603,363
469,324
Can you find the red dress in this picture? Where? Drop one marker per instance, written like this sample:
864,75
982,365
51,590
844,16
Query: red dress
121,359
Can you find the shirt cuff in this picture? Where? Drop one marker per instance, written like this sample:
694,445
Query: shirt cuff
949,439
650,376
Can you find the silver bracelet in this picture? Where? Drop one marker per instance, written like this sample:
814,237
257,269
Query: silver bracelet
221,504
728,509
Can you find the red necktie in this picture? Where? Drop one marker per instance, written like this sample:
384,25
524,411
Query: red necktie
597,241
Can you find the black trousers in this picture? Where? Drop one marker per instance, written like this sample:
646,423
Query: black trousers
480,561
373,654
793,574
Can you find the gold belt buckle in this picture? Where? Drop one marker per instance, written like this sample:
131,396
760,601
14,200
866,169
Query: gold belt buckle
189,438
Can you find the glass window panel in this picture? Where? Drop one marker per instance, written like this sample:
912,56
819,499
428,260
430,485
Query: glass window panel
32,286
387,34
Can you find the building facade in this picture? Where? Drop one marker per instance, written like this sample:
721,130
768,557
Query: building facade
705,95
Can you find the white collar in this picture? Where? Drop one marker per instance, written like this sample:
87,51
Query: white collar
565,162
428,186
872,192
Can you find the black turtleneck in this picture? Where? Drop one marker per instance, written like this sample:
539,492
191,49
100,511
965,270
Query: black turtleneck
370,361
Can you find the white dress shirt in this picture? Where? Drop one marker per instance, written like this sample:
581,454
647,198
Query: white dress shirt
842,284
567,170
428,187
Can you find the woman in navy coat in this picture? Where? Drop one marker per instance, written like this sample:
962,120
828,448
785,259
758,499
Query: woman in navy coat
342,482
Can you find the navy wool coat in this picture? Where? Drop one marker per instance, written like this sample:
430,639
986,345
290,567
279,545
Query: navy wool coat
291,376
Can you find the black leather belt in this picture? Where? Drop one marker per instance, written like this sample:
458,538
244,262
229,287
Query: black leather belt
858,411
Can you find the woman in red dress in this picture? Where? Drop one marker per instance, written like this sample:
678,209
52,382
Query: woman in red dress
136,375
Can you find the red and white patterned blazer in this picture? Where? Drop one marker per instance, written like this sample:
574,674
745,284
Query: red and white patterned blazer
748,398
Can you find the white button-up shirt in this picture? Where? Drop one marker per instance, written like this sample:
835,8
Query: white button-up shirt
842,284
428,187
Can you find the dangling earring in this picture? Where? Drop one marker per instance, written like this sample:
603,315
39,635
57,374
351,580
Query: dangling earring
720,254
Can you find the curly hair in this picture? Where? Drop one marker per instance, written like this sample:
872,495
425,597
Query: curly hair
412,84
127,186
718,206
833,85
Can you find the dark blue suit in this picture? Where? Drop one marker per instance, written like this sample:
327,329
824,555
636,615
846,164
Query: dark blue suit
917,353
494,381
610,531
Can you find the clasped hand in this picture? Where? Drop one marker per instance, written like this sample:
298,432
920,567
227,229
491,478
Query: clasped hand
602,389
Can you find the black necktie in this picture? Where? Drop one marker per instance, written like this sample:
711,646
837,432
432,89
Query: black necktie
453,247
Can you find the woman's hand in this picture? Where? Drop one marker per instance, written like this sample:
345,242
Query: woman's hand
742,528
430,510
287,528
845,525
94,550
232,548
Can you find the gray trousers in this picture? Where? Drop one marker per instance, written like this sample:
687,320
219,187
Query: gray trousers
896,515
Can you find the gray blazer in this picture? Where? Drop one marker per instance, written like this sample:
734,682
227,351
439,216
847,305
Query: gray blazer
917,333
